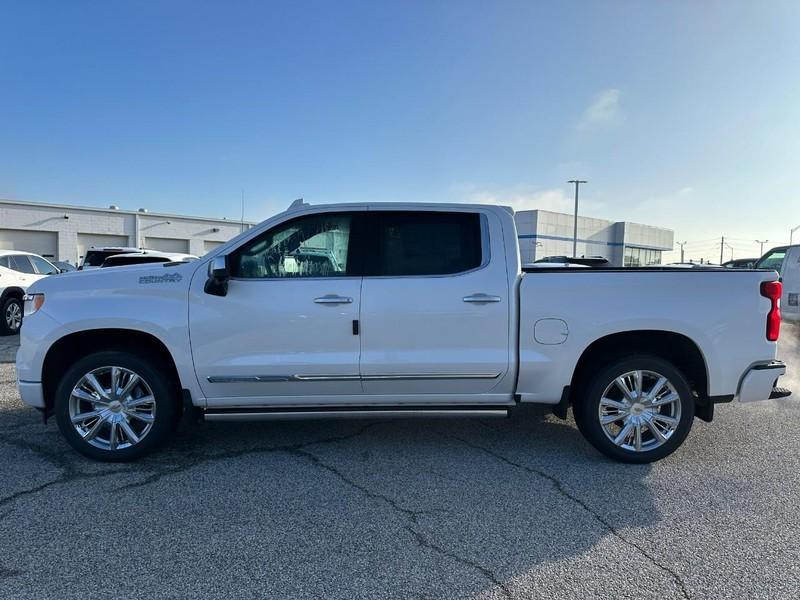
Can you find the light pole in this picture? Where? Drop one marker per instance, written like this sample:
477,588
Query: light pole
681,244
761,251
577,183
791,233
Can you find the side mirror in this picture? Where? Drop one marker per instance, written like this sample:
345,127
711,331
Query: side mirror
218,276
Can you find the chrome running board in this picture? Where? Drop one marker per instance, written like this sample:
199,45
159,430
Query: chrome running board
377,412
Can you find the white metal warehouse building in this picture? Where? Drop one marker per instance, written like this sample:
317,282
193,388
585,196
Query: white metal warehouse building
62,232
544,233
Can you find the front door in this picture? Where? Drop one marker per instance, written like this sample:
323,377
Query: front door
284,332
434,306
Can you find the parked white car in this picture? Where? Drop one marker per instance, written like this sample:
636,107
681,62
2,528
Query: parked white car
18,270
96,255
394,310
786,261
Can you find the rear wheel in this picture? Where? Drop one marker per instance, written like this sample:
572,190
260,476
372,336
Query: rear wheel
637,409
11,316
114,406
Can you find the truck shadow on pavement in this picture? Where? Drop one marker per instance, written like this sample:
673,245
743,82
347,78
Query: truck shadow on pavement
337,509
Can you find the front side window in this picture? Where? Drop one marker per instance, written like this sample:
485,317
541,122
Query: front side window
311,246
42,266
424,243
20,262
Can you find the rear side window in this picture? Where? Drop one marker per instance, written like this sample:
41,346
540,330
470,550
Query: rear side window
4,262
423,243
20,262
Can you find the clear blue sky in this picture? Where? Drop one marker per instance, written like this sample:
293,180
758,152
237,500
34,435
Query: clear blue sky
680,114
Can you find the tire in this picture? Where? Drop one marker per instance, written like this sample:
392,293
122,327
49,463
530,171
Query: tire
11,316
127,424
663,427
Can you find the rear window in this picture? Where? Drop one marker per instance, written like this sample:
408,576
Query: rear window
119,261
95,258
424,243
772,260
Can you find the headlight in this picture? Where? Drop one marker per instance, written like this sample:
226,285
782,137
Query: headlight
33,302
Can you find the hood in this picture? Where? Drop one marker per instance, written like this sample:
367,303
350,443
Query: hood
130,277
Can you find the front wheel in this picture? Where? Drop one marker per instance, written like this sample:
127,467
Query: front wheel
114,406
637,409
11,316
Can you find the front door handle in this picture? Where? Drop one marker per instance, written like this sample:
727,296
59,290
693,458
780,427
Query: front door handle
333,299
481,298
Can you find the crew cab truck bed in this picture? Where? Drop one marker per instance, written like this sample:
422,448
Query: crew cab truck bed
393,310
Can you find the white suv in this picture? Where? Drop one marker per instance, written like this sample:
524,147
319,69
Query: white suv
18,270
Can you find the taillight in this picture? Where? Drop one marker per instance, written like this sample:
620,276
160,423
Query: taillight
773,290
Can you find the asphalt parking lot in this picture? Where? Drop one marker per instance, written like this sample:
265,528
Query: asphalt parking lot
512,508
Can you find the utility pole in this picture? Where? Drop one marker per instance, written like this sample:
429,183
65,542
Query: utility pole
761,251
577,183
731,249
681,244
721,248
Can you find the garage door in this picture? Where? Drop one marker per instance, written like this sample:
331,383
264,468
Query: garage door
208,245
44,243
87,240
167,244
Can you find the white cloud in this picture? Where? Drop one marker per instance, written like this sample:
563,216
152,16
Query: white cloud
520,198
603,111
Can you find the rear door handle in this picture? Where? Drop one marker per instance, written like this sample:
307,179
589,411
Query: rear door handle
481,298
333,299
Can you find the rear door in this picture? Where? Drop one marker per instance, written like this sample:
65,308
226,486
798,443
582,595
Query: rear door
434,305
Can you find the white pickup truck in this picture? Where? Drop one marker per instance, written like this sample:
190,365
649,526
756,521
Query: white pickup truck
394,310
786,261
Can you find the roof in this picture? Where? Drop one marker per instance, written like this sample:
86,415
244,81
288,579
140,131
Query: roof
7,252
117,211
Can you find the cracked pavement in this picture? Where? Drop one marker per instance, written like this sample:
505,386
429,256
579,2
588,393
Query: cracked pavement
511,508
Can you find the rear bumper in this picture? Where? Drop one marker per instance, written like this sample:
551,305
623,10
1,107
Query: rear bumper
758,382
31,393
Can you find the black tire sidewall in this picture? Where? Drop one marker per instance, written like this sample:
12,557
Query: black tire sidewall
4,328
163,392
586,408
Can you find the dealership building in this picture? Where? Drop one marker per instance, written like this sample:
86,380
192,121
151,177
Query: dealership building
544,233
63,232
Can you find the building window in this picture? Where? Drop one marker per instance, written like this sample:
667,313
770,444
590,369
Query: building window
641,257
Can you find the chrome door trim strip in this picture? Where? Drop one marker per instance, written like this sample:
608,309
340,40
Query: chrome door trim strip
417,376
386,377
289,415
278,378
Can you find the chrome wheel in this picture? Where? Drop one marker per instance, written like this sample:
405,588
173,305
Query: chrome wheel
13,316
112,408
640,410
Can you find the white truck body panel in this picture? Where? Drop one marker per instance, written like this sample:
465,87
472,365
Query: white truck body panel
594,304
